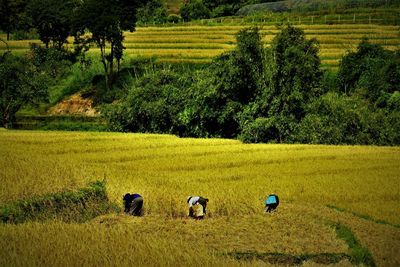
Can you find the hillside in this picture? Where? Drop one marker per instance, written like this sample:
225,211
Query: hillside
314,5
199,44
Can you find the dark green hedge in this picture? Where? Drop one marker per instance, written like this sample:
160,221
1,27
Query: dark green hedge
69,206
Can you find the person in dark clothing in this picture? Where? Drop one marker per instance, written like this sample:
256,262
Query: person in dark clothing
197,207
271,203
133,204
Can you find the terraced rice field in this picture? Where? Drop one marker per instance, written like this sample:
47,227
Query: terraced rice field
310,180
202,43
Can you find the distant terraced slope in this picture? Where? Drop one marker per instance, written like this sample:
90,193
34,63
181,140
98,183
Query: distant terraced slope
199,44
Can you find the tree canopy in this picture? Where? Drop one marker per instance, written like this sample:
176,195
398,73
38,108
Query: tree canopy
52,20
20,84
12,15
106,20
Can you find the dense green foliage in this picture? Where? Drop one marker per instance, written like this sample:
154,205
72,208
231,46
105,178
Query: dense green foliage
70,206
277,94
370,71
294,79
154,11
194,9
22,83
340,119
106,30
202,9
52,19
12,16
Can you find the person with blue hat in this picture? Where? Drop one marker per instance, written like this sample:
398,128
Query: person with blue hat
271,203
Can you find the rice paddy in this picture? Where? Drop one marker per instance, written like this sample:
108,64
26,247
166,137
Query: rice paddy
361,183
200,43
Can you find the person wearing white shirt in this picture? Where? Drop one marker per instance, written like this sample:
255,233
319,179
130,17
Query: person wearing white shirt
197,206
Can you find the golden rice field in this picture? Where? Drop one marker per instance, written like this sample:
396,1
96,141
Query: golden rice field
236,178
202,43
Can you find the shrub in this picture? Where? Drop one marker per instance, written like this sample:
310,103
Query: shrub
339,119
153,11
70,206
54,62
173,18
371,71
152,104
194,10
262,130
25,35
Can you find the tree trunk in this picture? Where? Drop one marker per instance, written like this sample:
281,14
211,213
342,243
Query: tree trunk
6,118
111,77
8,29
118,65
3,120
102,45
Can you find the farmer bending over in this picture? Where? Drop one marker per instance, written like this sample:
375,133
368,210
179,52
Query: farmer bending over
133,204
197,207
271,203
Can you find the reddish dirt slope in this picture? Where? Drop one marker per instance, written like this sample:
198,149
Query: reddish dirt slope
75,105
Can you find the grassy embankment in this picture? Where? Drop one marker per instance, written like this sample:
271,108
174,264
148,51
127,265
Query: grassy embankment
235,177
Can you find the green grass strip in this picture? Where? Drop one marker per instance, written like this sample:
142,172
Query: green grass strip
60,122
69,206
358,253
288,259
363,216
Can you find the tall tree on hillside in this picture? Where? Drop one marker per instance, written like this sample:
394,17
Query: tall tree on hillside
295,78
106,20
12,15
52,19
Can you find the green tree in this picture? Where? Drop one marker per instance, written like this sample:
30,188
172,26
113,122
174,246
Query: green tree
152,104
12,16
240,74
194,9
52,20
106,20
370,71
340,119
20,84
219,95
294,79
154,11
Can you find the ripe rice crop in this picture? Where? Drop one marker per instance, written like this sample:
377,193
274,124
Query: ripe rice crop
235,177
194,43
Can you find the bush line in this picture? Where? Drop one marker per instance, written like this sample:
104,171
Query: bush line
69,206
